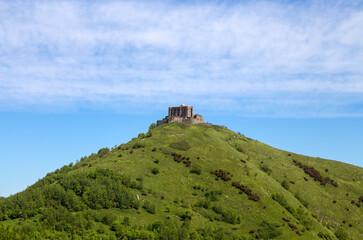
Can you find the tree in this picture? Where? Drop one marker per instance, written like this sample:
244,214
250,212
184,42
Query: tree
152,126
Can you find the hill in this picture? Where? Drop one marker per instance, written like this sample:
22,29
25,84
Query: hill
183,181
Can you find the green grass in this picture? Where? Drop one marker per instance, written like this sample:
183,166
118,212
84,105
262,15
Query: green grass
197,205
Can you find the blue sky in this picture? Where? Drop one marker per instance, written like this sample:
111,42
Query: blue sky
76,76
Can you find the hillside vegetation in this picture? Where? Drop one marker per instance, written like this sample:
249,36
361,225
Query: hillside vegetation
182,181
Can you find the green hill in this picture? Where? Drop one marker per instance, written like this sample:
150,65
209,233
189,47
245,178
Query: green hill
182,181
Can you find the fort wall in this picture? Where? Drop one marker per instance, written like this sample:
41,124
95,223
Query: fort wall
181,113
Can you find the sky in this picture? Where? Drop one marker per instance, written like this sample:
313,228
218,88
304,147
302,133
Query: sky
76,76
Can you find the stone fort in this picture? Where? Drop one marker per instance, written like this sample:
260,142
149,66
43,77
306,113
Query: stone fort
181,114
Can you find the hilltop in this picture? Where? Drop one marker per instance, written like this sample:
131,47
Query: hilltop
184,181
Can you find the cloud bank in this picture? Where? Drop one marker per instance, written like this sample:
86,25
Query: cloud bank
257,58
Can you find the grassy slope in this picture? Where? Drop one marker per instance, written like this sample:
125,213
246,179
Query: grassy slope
214,147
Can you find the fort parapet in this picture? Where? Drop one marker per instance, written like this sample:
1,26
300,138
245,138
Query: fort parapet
181,114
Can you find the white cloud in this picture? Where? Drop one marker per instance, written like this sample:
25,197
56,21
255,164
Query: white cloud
136,51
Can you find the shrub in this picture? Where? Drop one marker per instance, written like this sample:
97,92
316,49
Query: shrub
138,145
303,201
285,184
126,221
203,203
179,158
181,145
108,219
286,219
227,216
283,202
247,190
141,135
186,216
325,236
221,174
120,155
312,172
196,169
115,225
155,171
149,207
267,231
341,234
152,126
103,151
156,161
153,150
266,169
292,226
213,195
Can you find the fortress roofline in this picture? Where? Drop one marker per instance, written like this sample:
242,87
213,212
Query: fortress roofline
181,113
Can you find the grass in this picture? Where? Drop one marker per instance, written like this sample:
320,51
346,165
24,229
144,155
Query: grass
172,189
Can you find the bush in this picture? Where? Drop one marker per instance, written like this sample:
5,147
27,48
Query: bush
267,231
203,203
103,151
247,190
285,184
266,169
115,225
152,126
341,234
303,201
126,221
213,195
138,145
149,207
325,236
239,149
283,202
224,175
227,216
181,145
155,171
292,226
312,172
196,169
186,216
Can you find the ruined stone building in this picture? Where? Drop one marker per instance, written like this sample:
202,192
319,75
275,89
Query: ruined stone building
181,114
